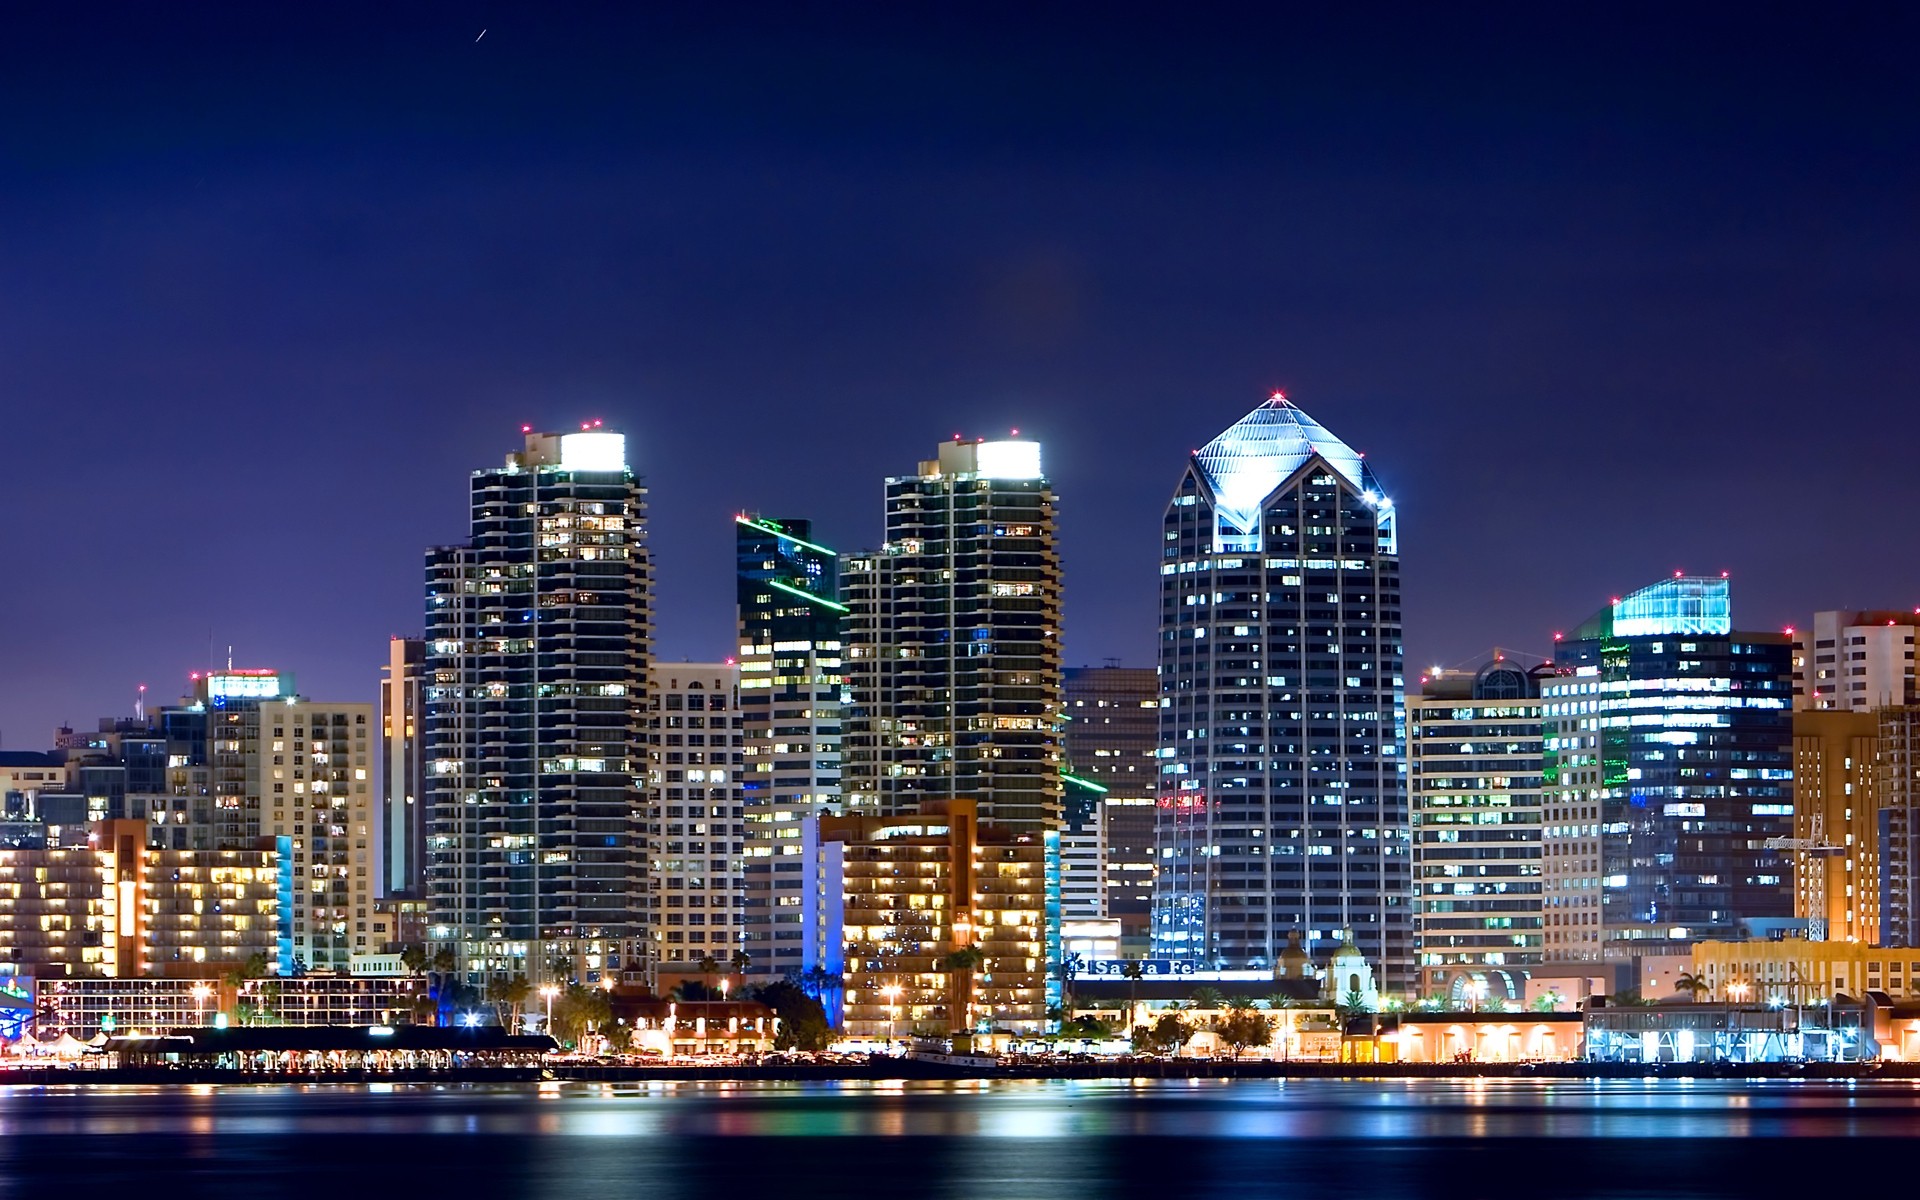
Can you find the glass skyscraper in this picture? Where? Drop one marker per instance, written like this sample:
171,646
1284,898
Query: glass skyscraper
539,631
1282,800
1668,763
791,678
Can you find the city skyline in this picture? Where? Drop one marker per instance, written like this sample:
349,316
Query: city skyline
339,259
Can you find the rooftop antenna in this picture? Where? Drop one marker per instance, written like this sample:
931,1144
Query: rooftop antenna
229,660
140,704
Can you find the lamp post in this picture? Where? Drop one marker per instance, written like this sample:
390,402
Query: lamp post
892,993
549,991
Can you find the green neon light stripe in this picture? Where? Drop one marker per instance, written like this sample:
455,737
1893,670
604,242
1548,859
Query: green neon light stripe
1088,784
820,600
779,532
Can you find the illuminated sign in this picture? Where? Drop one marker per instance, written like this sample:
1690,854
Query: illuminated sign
1008,460
593,452
1150,968
243,684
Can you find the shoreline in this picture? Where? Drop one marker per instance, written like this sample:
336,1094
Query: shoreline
913,1070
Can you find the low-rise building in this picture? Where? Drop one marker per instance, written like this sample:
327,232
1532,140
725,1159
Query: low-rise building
1797,971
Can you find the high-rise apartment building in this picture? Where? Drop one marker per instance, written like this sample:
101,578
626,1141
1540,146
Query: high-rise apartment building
1856,660
791,678
1474,753
539,630
1669,763
953,643
696,826
403,782
315,762
1112,738
1282,794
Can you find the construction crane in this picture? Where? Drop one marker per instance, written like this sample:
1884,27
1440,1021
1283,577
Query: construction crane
1814,846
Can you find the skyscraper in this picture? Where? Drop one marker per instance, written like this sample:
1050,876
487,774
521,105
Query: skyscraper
1474,748
403,770
539,631
1282,795
953,643
790,683
1669,762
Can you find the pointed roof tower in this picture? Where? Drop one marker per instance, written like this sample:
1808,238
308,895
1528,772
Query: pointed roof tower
1261,450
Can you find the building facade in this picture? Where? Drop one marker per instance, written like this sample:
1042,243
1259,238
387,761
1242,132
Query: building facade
1112,738
539,631
118,908
1856,660
1282,799
403,776
1668,764
953,643
791,678
315,765
1474,749
696,825
923,886
1897,821
1836,824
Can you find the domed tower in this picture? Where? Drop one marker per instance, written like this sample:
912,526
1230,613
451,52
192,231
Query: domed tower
1282,804
1349,980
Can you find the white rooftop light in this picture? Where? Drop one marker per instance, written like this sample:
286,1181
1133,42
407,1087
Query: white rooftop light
1008,459
593,451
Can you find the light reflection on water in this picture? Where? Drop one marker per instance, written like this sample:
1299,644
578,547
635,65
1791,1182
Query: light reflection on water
1053,1139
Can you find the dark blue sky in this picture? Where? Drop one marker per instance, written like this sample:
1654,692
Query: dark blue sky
1600,293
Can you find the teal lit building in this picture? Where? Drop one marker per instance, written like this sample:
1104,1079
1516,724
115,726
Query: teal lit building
1668,763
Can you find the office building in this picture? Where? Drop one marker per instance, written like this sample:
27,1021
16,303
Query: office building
953,643
1282,794
791,678
696,825
402,830
118,908
1112,738
922,886
1474,754
539,630
1668,764
1856,660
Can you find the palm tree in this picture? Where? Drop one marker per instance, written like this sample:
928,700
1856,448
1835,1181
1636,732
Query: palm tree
1205,997
1070,968
1133,972
1691,984
509,996
708,965
960,966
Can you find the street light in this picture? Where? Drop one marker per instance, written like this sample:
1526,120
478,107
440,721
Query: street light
1737,992
892,993
200,993
549,991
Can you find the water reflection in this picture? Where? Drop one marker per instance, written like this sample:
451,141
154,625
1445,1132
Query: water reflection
1085,1139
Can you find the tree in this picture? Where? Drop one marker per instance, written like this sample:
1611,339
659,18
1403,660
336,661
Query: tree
1132,971
1356,1002
708,965
619,1037
803,1019
741,961
445,960
960,966
1069,971
578,1011
1693,985
509,997
1205,997
1169,1033
414,959
1243,1027
1090,1028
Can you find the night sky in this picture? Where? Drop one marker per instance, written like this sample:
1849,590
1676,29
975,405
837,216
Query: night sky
1600,293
